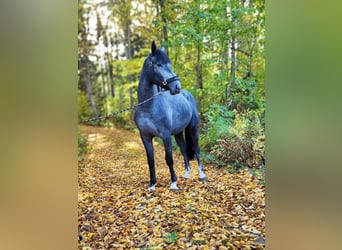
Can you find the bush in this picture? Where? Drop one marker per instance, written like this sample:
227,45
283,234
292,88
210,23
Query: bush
83,147
244,143
218,119
246,95
233,139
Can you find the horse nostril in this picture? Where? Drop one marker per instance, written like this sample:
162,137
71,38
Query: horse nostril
177,89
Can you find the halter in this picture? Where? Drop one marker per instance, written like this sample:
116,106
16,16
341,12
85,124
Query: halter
167,81
170,80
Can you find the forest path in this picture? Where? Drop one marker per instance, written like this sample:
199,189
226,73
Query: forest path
116,211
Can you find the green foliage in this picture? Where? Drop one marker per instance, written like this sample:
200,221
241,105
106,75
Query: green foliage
218,119
82,144
129,68
246,96
120,102
171,237
84,110
244,143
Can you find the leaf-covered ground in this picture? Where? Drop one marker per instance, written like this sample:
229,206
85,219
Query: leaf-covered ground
116,211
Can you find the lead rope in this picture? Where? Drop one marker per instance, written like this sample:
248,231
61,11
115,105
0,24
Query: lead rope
118,112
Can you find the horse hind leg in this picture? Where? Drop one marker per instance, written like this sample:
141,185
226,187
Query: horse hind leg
194,136
181,143
202,176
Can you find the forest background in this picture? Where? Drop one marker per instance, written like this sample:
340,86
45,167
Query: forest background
215,47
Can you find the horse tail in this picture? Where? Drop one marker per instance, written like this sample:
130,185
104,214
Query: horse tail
189,145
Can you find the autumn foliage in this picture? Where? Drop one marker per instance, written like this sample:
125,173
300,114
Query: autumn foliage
116,211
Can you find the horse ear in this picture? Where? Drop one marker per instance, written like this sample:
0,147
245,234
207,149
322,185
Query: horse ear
153,47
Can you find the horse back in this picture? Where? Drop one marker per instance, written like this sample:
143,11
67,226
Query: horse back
190,98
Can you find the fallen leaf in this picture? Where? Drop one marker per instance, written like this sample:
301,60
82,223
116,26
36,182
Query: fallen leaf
115,210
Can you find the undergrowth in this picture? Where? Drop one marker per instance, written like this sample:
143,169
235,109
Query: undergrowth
234,139
83,147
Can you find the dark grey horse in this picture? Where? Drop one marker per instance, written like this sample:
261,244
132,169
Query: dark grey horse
169,113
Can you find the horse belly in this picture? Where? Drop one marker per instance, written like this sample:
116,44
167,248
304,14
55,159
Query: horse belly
180,121
178,129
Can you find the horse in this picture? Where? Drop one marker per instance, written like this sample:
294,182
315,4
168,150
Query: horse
170,112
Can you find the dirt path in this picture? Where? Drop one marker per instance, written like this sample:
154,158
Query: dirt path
116,211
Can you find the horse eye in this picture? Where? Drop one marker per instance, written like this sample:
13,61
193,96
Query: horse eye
159,64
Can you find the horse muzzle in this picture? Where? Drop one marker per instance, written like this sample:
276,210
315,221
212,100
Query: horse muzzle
177,90
173,85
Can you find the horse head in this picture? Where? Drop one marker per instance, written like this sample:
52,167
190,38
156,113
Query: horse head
160,70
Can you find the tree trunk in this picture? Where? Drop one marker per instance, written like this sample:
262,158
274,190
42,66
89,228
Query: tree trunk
232,67
111,77
127,38
251,46
199,77
89,91
224,69
131,103
103,92
129,55
164,21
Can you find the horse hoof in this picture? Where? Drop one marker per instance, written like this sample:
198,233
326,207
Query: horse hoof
174,186
151,188
203,179
174,189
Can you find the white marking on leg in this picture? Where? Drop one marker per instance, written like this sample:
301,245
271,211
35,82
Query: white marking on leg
187,174
174,186
152,188
201,173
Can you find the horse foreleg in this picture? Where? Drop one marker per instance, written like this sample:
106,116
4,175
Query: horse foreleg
147,141
181,143
169,160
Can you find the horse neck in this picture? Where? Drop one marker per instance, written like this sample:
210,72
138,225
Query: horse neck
145,89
